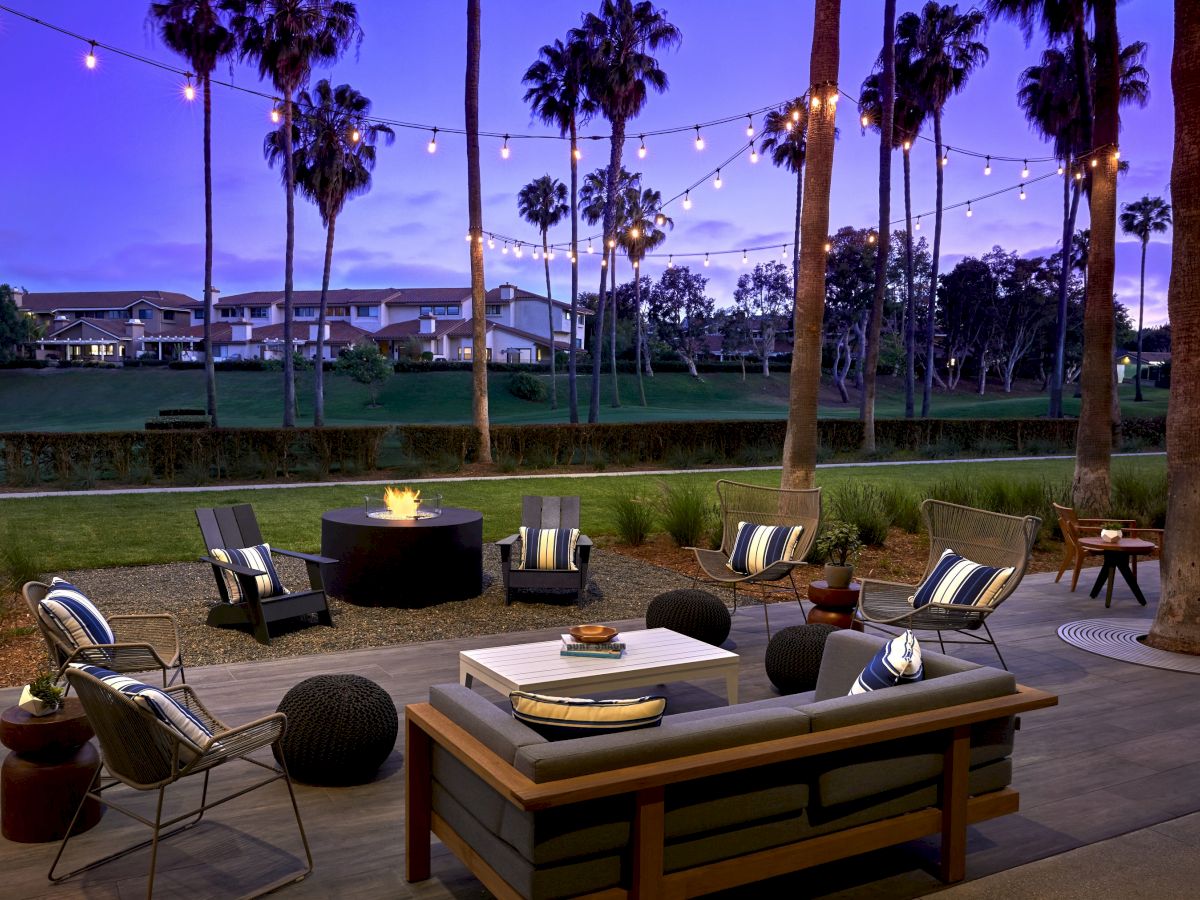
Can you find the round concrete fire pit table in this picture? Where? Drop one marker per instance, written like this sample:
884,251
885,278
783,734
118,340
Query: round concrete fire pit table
403,562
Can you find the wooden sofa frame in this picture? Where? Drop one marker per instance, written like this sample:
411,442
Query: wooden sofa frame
425,726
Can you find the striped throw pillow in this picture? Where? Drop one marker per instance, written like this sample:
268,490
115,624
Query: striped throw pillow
897,662
757,547
548,548
66,611
161,705
257,558
961,582
561,718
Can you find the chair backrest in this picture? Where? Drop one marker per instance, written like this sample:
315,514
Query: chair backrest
1068,524
769,506
34,592
550,512
989,538
228,526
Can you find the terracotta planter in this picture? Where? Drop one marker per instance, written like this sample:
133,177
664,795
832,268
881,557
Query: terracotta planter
838,576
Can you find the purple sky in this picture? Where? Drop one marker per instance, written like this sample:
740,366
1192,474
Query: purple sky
102,169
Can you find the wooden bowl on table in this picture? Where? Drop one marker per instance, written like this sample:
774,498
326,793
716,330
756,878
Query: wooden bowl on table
592,634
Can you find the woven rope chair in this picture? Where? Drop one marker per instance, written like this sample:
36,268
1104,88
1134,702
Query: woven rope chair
1073,528
988,538
760,506
145,641
145,754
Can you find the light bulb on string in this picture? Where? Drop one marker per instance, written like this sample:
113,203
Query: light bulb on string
828,246
699,139
479,240
635,264
1079,175
660,219
969,213
717,180
871,238
987,166
946,157
432,148
753,153
642,149
705,259
814,102
1060,168
504,249
633,232
787,126
1094,161
1116,154
90,59
517,251
833,99
783,252
535,254
917,227
1022,195
504,148
907,146
612,242
671,261
687,199
1025,169
578,154
749,126
590,250
550,254
491,243
355,136
604,260
745,258
796,114
275,114
866,120
189,90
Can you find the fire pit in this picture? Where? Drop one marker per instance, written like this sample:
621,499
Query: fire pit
403,552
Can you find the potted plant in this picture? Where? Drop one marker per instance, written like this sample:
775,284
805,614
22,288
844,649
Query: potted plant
838,544
1111,532
42,696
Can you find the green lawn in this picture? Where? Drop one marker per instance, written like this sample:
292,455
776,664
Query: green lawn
98,400
96,531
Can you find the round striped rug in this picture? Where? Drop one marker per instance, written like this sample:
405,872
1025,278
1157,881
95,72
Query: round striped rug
1118,639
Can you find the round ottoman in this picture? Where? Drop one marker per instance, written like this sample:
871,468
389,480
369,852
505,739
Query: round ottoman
794,657
340,729
697,614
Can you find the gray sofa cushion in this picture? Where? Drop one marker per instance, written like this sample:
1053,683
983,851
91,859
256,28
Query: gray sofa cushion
847,653
494,727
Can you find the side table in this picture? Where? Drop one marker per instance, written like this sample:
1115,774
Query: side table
50,768
834,606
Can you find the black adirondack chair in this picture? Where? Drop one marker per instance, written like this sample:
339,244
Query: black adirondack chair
236,527
546,512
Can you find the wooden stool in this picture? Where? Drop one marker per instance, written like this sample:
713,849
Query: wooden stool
50,768
834,606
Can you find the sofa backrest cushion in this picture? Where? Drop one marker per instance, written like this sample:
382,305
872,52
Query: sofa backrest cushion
847,653
494,727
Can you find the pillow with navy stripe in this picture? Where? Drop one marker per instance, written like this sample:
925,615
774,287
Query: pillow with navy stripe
548,549
190,727
561,718
758,547
958,581
257,558
897,662
67,612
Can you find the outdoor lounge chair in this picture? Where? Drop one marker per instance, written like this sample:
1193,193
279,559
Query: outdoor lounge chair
145,641
1073,528
142,752
546,512
758,505
236,527
984,537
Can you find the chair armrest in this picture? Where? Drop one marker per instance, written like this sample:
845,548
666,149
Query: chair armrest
232,567
307,557
1105,521
512,539
584,541
1158,531
105,655
583,547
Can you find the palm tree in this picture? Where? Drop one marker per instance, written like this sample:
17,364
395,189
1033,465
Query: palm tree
800,441
783,137
285,39
543,203
557,98
942,44
1142,218
333,157
479,393
196,31
621,70
644,231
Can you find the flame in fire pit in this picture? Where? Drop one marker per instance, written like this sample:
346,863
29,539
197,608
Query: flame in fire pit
402,504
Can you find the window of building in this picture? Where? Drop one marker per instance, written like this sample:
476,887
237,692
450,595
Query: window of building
494,309
427,310
258,312
114,314
339,311
306,312
367,312
145,314
453,310
168,315
230,312
198,315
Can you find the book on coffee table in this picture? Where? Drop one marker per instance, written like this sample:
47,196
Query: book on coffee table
606,650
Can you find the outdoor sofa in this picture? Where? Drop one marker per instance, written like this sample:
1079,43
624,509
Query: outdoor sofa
719,797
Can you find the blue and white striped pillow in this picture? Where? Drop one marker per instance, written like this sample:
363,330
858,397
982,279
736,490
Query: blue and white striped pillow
897,662
961,582
257,558
548,549
757,547
68,612
162,705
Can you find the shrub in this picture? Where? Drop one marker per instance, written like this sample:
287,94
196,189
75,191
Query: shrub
903,505
634,518
1140,497
685,512
17,562
955,489
862,505
527,386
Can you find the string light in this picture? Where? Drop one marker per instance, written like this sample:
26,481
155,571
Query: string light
687,199
814,102
783,252
504,249
917,227
189,90
717,180
796,113
491,244
535,254
671,261
635,264
578,154
969,213
1078,176
946,157
871,238
432,148
633,232
517,251
787,126
1116,154
1022,191
866,120
90,59
705,259
604,260
753,153
355,136
987,166
590,250
907,146
612,242
1025,169
1060,168
833,99
479,240
745,259
504,148
275,114
828,246
642,149
749,126
1094,161
660,219
699,139
550,254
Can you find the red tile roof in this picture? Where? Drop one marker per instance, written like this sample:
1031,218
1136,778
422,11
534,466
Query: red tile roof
442,327
46,302
335,297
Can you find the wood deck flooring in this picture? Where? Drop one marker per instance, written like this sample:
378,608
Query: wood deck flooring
1120,752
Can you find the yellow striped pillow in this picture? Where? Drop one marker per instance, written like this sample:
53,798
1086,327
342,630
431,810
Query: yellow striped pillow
548,549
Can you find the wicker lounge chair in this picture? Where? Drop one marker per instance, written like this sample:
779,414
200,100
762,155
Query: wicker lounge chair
546,512
145,641
143,753
761,506
989,538
1073,528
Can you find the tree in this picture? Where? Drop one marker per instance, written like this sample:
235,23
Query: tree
1028,306
479,394
543,203
367,365
556,97
762,300
1142,218
621,70
196,31
849,284
800,441
682,313
285,39
783,138
644,231
1177,621
967,295
16,328
333,158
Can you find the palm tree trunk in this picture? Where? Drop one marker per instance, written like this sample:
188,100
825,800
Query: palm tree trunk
289,366
210,368
1091,486
1137,378
796,237
931,313
1070,209
550,315
910,301
800,442
610,234
875,321
319,362
479,398
612,325
1177,622
637,319
598,338
572,386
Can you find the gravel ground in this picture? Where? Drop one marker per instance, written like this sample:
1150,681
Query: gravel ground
619,587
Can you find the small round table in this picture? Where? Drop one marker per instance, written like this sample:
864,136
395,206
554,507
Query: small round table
48,772
1116,559
834,606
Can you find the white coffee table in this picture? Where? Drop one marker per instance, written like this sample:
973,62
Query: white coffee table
654,656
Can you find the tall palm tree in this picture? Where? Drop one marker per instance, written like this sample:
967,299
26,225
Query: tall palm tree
944,47
557,98
783,137
1142,218
621,70
800,441
195,29
333,158
644,231
479,395
285,39
543,203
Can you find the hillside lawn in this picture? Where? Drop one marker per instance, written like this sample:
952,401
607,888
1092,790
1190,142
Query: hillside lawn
133,529
117,399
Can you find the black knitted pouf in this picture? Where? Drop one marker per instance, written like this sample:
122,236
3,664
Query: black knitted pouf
340,729
794,657
697,614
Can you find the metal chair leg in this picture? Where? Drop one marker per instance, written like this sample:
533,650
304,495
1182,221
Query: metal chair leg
995,646
766,619
941,643
154,844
